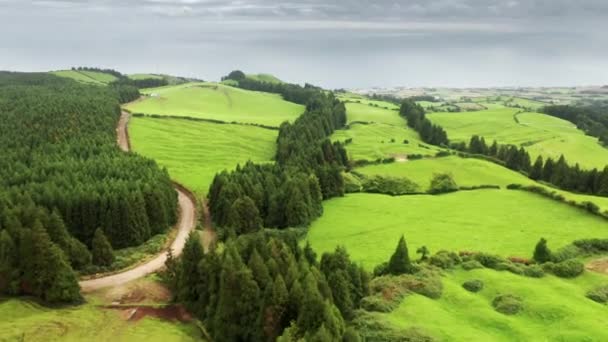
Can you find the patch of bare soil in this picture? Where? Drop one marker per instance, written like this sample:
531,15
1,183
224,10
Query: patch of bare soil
140,291
167,313
400,158
598,265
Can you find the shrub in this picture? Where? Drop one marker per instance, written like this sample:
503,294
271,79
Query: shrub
405,141
381,269
599,294
377,329
568,269
542,253
475,285
488,260
592,245
389,185
509,266
445,260
534,271
565,253
351,183
443,153
442,183
471,265
507,304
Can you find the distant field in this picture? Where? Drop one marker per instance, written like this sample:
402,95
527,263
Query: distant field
373,141
367,113
358,99
219,102
505,222
195,151
466,172
90,77
22,320
264,78
144,76
554,309
542,134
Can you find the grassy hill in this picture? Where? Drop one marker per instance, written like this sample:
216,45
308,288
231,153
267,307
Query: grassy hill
541,134
89,77
218,102
505,222
264,78
555,309
194,151
144,76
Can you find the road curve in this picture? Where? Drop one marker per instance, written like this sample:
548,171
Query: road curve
187,223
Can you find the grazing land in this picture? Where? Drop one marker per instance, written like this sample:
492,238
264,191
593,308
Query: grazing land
555,309
217,102
194,151
265,78
504,222
145,76
89,77
540,134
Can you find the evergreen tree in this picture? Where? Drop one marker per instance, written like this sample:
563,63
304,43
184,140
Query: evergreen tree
548,170
310,254
103,254
399,262
189,276
542,253
537,170
244,216
258,269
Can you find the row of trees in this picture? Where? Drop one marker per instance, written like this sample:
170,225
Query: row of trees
289,193
264,288
416,119
61,173
557,172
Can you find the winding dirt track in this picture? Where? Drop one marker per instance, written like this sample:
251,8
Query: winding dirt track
187,223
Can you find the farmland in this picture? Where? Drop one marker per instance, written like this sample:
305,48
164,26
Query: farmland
218,102
505,222
87,77
541,134
194,151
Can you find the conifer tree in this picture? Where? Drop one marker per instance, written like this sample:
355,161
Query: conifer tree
244,216
399,262
103,254
189,271
542,253
537,170
258,269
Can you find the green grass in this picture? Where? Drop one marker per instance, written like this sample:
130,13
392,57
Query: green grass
505,222
77,76
23,320
373,141
195,151
265,78
99,76
367,113
219,102
144,76
554,309
541,134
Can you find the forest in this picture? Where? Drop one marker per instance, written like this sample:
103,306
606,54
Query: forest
590,118
62,179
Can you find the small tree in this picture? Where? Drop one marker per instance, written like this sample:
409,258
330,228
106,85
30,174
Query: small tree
542,253
442,183
424,253
103,254
399,262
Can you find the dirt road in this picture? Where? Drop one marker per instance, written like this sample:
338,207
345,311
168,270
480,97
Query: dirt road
187,222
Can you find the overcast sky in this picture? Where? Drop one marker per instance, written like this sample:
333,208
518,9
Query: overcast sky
357,43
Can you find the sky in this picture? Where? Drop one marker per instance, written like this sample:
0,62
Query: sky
334,44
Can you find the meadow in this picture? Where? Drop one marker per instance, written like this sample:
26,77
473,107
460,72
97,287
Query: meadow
555,309
88,77
541,134
264,78
144,76
194,151
505,222
218,102
378,140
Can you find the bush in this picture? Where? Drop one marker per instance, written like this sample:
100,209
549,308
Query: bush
534,271
442,183
599,294
445,260
351,183
377,329
471,265
565,253
592,245
509,266
568,269
475,285
389,185
507,304
443,153
488,260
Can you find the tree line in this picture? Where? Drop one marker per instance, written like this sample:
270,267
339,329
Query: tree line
62,179
289,193
429,133
557,172
265,287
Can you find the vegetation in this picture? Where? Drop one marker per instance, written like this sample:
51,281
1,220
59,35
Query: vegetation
416,119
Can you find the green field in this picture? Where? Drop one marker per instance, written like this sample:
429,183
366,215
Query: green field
144,76
264,78
194,151
357,112
554,309
505,222
373,141
89,77
23,320
541,134
218,102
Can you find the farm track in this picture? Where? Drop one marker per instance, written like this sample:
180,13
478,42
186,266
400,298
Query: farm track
186,224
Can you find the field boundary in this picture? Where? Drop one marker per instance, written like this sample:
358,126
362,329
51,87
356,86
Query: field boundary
215,121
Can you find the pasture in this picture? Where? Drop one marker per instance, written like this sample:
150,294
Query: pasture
194,151
77,76
555,309
218,102
505,222
540,134
264,78
144,76
360,112
377,140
